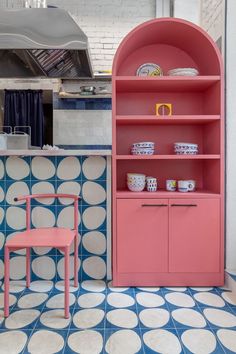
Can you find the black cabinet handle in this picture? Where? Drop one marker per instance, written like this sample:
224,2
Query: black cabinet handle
184,205
154,205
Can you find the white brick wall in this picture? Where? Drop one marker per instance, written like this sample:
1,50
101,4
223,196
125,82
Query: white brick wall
11,3
105,22
212,17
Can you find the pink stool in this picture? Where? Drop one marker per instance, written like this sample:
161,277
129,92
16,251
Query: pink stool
60,238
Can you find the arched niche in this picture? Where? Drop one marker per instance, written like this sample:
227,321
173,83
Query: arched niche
170,43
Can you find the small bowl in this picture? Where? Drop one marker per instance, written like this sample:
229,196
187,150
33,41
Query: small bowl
187,152
130,174
136,181
136,176
142,152
185,148
184,145
144,144
90,89
136,187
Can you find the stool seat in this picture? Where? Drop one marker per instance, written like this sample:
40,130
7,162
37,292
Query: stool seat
43,237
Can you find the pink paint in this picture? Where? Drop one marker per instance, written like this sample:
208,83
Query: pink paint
141,248
171,245
60,238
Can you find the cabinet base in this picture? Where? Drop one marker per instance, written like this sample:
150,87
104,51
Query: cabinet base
168,279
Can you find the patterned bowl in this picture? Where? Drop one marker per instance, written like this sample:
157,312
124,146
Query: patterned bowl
183,151
187,146
136,186
136,181
186,152
136,176
142,151
144,144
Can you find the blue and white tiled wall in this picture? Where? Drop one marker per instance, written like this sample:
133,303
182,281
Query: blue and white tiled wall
85,176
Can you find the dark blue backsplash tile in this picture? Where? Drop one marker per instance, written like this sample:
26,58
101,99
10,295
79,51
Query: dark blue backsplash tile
81,103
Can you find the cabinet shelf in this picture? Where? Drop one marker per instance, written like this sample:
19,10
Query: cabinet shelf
165,120
164,83
185,237
126,194
168,157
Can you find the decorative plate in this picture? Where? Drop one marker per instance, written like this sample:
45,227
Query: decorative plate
149,69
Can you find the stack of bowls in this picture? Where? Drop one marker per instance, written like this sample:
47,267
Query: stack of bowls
136,182
151,184
183,72
185,149
143,148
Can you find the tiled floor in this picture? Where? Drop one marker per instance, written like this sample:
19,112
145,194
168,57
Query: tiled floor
119,321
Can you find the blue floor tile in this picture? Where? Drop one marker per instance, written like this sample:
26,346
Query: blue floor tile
124,320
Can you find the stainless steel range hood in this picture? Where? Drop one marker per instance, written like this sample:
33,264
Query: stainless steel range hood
42,42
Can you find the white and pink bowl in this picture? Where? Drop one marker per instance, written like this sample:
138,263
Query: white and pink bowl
136,182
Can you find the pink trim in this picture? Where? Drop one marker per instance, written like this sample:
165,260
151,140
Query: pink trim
169,279
28,209
67,266
28,275
76,263
6,279
60,195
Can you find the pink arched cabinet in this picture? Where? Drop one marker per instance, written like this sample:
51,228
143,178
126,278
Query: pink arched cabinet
168,238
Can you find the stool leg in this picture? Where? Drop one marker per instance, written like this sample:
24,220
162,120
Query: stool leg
67,265
27,267
76,261
6,285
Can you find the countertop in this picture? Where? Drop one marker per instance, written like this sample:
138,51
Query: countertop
61,152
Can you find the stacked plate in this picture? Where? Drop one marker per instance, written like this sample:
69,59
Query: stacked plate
185,149
136,182
183,72
143,148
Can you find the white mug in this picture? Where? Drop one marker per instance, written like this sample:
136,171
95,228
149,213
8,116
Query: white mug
192,185
171,185
186,186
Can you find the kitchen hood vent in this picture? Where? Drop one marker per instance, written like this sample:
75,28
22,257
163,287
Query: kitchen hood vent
42,42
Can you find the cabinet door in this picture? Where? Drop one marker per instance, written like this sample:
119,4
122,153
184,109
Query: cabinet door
194,235
142,235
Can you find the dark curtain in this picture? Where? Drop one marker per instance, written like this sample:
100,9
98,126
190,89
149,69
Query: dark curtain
25,107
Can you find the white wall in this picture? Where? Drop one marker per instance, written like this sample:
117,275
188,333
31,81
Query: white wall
231,136
188,10
105,22
213,22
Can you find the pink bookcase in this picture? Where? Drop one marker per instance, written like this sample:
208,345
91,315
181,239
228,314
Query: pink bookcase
179,240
